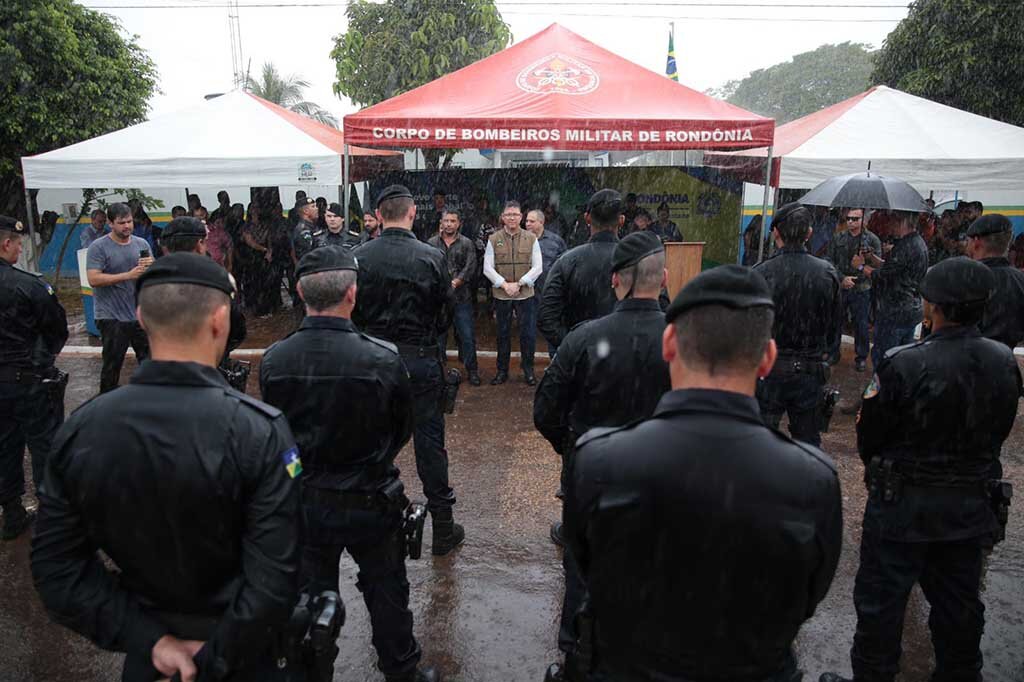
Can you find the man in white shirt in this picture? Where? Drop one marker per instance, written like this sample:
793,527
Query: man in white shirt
512,263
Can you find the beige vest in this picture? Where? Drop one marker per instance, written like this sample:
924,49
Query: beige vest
512,260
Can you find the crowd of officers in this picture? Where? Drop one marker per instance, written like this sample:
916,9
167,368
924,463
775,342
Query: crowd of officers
698,537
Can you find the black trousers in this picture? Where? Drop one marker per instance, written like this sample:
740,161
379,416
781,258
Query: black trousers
425,373
795,394
949,574
117,336
28,416
375,541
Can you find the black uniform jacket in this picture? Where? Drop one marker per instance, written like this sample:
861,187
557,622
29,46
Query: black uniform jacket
347,398
1004,314
307,237
578,288
33,326
705,539
345,239
607,372
808,299
183,482
404,289
897,283
941,408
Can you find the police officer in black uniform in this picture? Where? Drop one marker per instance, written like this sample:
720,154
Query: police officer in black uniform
607,372
352,497
704,537
932,422
576,289
33,330
988,241
405,298
187,485
337,234
807,292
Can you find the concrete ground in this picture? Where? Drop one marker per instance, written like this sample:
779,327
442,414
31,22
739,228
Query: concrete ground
489,610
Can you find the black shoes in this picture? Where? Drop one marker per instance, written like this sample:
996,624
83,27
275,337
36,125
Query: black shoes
418,675
16,520
499,378
447,534
833,677
860,365
474,378
531,380
556,534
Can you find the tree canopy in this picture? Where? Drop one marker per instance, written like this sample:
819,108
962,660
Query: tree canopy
398,45
67,74
809,82
288,92
967,54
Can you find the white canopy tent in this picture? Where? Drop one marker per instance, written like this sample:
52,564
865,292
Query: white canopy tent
930,145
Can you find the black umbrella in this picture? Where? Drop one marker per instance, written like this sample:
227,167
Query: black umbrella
866,190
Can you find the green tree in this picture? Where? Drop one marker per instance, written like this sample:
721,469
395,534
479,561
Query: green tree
967,54
393,47
66,74
810,82
288,92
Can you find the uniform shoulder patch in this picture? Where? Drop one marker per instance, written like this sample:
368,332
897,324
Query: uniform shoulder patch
872,388
258,405
292,462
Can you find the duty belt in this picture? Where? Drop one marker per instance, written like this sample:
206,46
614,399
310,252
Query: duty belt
794,365
371,501
24,375
427,351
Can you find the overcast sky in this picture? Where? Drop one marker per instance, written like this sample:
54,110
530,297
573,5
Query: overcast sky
190,42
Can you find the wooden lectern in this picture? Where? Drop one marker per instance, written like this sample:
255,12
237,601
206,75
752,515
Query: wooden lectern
683,262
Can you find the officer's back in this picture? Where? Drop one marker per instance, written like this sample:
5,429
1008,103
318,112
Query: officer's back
704,537
988,241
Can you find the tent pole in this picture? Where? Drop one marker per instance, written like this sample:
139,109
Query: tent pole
764,203
344,180
33,256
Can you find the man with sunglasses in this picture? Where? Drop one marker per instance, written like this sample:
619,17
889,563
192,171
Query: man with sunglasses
854,240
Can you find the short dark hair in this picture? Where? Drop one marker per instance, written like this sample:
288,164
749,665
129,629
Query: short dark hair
511,203
794,228
180,243
118,210
721,340
605,216
178,310
966,314
178,211
395,209
10,234
324,290
222,193
97,213
998,243
452,211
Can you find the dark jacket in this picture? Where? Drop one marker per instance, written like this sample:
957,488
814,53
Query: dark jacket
897,283
1004,314
183,482
328,367
344,239
404,289
578,288
705,539
940,407
808,299
844,246
552,246
306,237
33,326
460,258
607,372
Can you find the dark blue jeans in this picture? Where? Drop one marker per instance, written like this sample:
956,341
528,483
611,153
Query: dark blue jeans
427,381
887,336
27,416
526,313
798,396
465,336
858,305
375,541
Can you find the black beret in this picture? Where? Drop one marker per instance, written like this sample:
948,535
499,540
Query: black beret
184,226
958,280
791,210
994,223
304,201
732,286
633,248
393,192
605,198
336,209
325,259
11,225
186,268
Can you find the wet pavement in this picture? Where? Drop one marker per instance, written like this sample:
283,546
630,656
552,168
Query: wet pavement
489,610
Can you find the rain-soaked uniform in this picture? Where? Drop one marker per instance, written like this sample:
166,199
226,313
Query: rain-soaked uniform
352,498
187,485
936,414
808,303
705,539
578,288
405,298
1004,314
607,372
33,330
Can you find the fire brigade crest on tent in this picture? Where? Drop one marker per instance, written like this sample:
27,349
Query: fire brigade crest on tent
558,73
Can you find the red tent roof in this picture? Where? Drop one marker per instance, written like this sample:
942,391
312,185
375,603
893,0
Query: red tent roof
557,90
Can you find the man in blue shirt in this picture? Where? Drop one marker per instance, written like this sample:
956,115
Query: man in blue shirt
551,248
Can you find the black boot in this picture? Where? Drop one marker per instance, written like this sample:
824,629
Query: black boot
499,378
418,675
529,376
447,534
16,520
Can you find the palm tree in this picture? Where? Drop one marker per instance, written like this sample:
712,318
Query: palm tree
287,92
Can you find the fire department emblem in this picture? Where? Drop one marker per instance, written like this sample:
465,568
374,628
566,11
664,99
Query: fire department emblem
558,73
